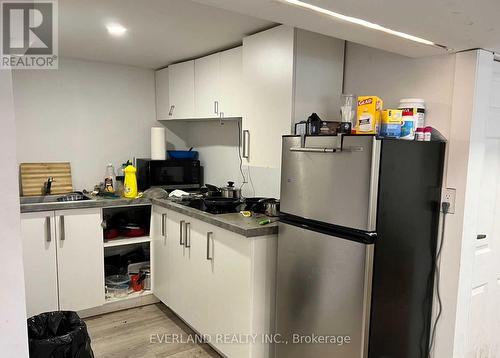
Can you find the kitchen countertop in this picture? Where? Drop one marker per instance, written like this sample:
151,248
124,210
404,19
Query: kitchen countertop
96,202
235,222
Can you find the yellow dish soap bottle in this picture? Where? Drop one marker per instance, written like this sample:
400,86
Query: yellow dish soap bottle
130,184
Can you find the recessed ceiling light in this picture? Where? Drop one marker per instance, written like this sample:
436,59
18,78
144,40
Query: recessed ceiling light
116,29
361,22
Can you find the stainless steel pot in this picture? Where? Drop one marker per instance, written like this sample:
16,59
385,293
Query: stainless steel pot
272,208
230,191
212,191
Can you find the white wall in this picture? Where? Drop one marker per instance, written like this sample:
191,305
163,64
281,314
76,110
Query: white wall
218,148
457,92
369,71
472,265
87,113
447,84
13,334
111,108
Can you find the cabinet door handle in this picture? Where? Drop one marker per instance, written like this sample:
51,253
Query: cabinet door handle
181,242
62,228
163,224
188,235
171,111
216,107
48,229
246,144
209,236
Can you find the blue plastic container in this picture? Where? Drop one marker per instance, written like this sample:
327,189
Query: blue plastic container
183,154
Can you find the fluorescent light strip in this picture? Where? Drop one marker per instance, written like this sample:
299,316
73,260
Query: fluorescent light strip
361,22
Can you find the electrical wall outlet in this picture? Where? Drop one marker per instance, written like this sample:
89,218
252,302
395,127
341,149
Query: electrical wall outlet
448,196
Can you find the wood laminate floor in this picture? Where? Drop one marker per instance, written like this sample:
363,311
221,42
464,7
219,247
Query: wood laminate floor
127,334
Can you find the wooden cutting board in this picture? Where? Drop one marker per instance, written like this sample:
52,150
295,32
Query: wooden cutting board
34,175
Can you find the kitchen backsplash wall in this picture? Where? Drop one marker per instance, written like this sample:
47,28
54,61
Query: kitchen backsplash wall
88,113
218,148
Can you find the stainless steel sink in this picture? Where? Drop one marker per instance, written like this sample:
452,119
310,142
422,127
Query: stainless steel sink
47,199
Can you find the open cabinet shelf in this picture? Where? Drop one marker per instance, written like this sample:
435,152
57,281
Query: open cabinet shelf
130,296
121,241
123,252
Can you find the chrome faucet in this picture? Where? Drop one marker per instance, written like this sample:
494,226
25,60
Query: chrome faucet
47,186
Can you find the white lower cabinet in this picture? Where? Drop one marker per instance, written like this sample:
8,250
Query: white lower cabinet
226,276
40,265
183,259
220,283
63,260
80,259
158,233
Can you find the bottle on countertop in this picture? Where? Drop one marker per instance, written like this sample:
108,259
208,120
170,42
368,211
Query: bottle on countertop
130,185
110,179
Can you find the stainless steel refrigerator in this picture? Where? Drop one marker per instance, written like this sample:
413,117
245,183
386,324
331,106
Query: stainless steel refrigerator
356,246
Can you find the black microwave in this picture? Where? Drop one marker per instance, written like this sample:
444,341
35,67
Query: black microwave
169,174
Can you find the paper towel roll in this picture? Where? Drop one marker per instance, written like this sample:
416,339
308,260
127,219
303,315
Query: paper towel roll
158,143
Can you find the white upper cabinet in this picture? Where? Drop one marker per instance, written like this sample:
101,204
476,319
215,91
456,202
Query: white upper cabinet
206,84
268,93
206,88
181,90
162,97
218,84
287,75
230,86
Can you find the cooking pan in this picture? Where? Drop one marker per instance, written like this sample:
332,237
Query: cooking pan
211,191
218,204
257,205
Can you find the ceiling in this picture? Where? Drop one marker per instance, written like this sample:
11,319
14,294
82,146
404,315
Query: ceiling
457,24
160,32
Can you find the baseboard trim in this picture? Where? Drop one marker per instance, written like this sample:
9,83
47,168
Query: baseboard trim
119,306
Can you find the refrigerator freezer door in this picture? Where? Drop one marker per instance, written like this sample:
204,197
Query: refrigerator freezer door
324,290
331,186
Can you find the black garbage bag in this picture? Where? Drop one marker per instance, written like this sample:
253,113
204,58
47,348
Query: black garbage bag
60,334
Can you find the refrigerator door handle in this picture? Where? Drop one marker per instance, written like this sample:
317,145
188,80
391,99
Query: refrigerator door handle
374,181
246,144
313,150
367,299
327,150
